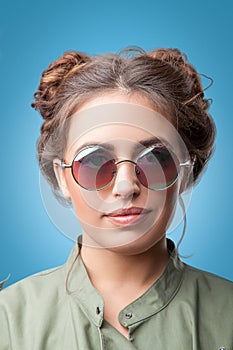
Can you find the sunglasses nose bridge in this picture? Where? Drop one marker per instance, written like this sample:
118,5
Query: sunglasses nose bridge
125,161
129,171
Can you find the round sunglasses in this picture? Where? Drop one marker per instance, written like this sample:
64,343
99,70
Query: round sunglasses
156,167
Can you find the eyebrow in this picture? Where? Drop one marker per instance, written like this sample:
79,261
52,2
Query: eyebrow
146,143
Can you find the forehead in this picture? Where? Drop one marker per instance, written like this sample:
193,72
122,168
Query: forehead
119,122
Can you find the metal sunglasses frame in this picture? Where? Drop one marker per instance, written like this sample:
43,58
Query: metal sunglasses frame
186,163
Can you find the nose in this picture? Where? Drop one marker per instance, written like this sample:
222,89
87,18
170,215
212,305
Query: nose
126,183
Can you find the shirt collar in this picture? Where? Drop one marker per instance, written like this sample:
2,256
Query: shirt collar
158,296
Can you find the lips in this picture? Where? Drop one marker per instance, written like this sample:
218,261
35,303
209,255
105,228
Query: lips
128,211
128,216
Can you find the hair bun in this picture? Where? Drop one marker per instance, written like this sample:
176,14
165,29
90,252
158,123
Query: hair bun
172,56
51,79
178,60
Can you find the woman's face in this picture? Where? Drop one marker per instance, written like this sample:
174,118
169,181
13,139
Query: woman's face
121,122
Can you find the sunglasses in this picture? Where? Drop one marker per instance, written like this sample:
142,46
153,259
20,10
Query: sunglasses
156,167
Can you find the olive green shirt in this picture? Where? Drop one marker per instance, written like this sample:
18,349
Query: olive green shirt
184,309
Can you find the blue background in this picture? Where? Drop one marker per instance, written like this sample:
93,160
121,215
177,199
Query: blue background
32,34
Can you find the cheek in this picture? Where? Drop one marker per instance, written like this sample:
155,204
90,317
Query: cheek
164,207
170,204
84,211
165,202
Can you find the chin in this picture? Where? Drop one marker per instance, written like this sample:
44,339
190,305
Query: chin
138,246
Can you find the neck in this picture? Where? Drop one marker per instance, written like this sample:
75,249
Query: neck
109,269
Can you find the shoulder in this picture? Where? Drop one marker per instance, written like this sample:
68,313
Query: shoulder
207,279
29,307
40,287
207,288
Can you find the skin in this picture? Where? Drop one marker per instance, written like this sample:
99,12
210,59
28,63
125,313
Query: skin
134,262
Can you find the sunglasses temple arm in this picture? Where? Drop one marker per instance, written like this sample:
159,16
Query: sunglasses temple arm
64,165
187,163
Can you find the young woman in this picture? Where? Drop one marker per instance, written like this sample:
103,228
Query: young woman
123,138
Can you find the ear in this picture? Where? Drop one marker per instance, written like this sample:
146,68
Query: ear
61,179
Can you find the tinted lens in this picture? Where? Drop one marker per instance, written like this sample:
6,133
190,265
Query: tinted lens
93,168
158,168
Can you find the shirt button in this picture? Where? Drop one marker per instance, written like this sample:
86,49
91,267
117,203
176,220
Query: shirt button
128,315
98,311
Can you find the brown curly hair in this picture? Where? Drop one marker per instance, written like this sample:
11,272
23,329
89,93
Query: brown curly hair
164,76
